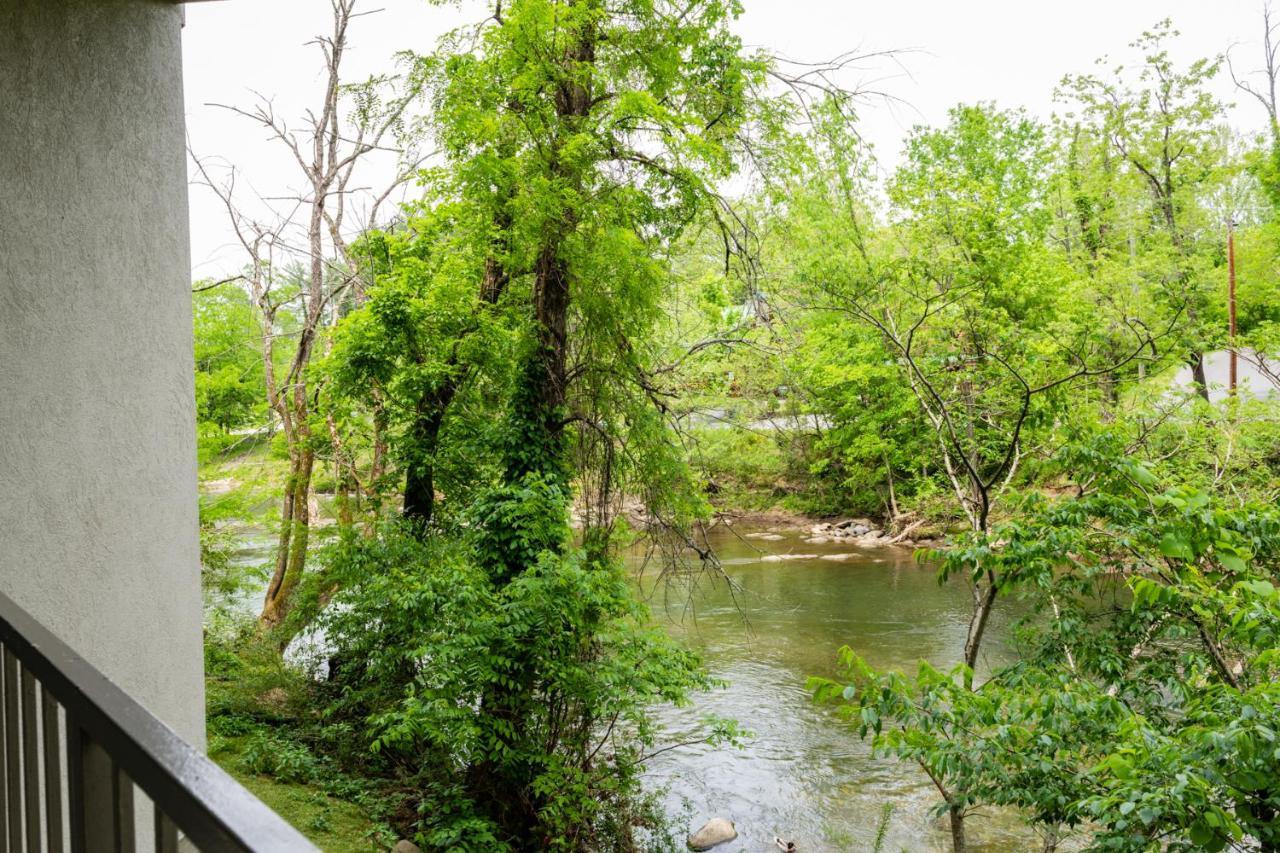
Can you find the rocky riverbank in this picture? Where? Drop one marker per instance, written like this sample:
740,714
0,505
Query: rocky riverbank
859,532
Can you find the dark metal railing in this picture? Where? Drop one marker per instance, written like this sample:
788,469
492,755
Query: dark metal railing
75,748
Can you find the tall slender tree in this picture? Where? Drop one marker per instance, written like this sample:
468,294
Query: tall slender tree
311,232
579,136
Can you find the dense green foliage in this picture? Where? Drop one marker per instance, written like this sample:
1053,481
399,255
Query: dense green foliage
650,278
1034,282
228,354
501,348
423,635
1143,700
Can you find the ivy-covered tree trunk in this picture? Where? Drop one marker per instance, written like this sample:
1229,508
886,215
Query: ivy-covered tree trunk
295,526
537,457
419,481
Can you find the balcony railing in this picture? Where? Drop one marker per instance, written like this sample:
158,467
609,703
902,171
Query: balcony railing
76,746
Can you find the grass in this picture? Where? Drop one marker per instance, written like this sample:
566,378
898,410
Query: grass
332,824
261,720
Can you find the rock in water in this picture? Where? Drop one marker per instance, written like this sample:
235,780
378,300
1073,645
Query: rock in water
718,830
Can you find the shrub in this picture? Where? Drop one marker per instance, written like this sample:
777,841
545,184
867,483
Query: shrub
458,683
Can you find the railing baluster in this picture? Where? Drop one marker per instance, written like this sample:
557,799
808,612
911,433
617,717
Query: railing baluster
52,773
166,833
75,783
4,783
98,795
122,795
12,750
30,761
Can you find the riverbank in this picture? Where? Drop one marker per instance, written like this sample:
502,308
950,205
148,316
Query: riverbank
801,773
254,475
276,749
858,531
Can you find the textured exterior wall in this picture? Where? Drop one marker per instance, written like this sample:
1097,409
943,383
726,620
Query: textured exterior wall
98,523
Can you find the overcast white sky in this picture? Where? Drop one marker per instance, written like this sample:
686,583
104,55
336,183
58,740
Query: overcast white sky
1012,52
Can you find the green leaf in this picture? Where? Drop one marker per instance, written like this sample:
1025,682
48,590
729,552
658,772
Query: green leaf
1261,588
1119,766
1231,563
1175,545
1200,834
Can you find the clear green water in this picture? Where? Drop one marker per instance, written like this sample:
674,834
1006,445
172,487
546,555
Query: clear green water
804,775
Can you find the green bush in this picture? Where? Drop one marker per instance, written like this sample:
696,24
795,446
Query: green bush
436,664
281,758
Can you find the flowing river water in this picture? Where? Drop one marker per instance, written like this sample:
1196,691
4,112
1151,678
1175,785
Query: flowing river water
803,774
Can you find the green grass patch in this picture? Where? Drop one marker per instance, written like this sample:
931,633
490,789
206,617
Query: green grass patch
332,824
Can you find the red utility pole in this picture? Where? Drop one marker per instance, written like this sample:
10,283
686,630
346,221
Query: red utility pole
1231,301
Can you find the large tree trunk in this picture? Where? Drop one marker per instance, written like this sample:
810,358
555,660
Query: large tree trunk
536,444
419,478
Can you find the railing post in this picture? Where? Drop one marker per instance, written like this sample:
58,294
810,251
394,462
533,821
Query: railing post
30,761
12,751
166,833
75,783
97,788
4,783
52,773
95,805
122,810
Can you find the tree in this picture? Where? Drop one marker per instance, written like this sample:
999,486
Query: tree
428,332
578,139
1259,328
228,366
1267,166
327,153
586,134
975,306
1164,126
1141,706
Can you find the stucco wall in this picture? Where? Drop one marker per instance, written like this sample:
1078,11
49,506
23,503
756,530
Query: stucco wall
98,520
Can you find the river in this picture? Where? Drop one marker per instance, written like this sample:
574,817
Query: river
804,775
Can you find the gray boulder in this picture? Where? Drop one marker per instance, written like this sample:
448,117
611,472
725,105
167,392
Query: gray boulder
716,831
